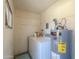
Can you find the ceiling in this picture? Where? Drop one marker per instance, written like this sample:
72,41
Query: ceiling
33,5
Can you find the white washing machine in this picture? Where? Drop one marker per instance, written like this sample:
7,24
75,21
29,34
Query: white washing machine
39,48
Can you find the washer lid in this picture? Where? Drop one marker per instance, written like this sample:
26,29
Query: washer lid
41,39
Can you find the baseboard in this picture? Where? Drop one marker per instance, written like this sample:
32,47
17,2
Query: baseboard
20,54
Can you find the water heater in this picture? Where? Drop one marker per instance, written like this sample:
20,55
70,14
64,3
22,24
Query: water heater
61,44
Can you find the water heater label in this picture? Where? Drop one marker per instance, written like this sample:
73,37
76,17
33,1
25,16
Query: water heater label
62,47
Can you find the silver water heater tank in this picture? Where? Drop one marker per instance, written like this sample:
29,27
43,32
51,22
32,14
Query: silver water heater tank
61,44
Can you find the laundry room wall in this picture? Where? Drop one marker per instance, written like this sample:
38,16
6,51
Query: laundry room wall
8,35
25,24
59,10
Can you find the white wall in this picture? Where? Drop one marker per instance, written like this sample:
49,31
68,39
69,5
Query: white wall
60,9
7,37
25,24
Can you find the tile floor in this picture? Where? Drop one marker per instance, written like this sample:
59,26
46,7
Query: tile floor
24,56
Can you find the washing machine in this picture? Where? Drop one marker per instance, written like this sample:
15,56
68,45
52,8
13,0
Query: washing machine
40,47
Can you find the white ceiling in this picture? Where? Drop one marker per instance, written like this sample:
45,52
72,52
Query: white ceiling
33,5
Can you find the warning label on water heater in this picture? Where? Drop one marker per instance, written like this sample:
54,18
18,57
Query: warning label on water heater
62,47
